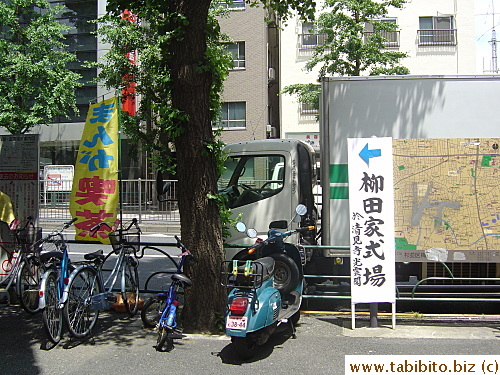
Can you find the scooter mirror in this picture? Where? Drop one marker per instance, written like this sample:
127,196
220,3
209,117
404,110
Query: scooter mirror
301,209
252,233
241,227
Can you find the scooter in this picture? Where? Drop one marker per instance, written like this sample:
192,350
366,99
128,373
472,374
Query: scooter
266,284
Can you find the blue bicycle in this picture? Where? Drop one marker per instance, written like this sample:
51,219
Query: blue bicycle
161,311
58,268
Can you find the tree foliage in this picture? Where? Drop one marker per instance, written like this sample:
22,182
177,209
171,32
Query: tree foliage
346,49
35,84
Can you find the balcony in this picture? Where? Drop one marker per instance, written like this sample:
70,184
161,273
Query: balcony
441,37
309,41
391,38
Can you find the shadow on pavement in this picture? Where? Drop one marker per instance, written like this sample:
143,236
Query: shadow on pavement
18,332
229,355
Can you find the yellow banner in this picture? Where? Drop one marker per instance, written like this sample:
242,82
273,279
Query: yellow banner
95,193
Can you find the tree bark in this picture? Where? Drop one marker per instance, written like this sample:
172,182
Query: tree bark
196,168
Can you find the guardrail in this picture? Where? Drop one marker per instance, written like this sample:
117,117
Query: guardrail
138,199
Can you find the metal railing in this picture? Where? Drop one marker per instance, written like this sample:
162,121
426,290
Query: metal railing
441,37
138,198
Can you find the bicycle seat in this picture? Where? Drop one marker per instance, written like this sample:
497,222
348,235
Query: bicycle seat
182,278
51,254
95,255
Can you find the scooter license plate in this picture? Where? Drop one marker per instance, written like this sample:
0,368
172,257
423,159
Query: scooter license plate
236,323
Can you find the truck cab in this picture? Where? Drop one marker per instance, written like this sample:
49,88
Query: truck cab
264,181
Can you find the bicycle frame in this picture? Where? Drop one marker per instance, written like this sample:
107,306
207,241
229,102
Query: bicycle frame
62,270
104,300
172,290
101,301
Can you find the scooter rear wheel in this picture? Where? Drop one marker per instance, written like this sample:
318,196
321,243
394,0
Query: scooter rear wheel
244,347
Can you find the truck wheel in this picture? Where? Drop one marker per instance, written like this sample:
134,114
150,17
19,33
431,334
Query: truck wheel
244,347
286,273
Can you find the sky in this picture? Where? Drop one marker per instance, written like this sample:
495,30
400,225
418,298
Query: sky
487,14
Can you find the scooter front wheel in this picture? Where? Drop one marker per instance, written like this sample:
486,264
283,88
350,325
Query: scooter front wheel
244,347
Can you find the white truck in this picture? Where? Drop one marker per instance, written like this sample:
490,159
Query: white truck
454,116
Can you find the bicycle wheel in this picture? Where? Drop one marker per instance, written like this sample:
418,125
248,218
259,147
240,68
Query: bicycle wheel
28,285
130,285
164,343
151,311
52,314
79,313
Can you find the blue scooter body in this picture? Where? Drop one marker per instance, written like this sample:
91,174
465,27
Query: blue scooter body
264,306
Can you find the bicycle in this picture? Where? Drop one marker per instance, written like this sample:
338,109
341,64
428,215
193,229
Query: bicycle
161,311
88,294
53,283
23,265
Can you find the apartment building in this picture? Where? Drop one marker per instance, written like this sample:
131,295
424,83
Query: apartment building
438,37
250,97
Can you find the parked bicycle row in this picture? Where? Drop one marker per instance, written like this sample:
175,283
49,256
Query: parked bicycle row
40,273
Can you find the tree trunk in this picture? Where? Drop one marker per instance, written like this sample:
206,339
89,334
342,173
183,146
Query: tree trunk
196,169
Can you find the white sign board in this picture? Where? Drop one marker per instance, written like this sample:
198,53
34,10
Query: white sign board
58,177
371,211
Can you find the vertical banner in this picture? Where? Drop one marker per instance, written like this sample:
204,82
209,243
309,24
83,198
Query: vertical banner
95,192
371,210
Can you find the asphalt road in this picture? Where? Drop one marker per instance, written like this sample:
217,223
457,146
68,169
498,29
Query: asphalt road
122,346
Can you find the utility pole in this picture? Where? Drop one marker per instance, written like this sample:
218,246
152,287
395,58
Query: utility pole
493,42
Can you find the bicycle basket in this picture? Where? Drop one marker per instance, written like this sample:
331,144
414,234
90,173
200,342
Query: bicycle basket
28,235
129,240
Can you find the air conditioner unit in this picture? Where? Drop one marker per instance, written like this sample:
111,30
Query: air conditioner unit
271,74
271,131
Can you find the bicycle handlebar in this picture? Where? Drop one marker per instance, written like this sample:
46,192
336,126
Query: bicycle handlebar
133,222
184,249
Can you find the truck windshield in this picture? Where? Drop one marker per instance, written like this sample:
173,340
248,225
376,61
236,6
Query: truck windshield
248,179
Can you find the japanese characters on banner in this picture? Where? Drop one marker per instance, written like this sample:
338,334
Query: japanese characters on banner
95,193
371,209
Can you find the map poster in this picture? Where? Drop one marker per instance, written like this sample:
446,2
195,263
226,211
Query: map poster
447,199
371,214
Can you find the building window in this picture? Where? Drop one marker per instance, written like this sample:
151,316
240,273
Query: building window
437,31
308,109
233,115
233,5
391,37
308,38
237,51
